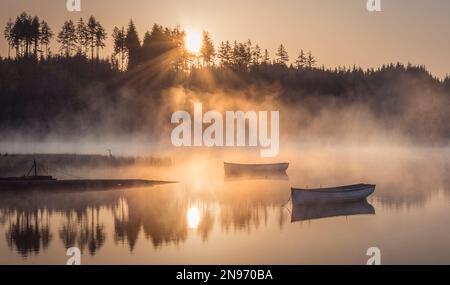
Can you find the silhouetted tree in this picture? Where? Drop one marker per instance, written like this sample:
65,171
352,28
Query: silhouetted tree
241,56
91,30
25,33
311,60
147,40
8,33
225,54
207,51
257,56
17,34
100,37
249,51
181,55
302,61
35,35
120,49
153,44
133,45
67,37
82,37
266,58
282,56
46,36
22,34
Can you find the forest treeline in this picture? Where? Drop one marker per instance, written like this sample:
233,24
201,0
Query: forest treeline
77,91
29,38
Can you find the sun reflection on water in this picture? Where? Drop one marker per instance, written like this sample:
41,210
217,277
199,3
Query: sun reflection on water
193,217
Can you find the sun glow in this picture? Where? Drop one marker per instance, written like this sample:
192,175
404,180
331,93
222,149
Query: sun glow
193,41
193,217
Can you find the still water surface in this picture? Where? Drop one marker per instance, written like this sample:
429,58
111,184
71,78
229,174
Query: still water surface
207,219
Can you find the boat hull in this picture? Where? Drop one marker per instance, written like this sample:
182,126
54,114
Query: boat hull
332,195
233,169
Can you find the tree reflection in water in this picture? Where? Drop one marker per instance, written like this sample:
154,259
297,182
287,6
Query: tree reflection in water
159,214
244,205
206,224
28,220
83,231
28,232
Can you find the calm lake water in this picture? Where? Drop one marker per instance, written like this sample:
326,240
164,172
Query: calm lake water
206,219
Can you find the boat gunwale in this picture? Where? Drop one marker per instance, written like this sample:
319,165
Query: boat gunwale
340,189
261,164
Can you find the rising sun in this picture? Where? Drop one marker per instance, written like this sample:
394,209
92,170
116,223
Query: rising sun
193,41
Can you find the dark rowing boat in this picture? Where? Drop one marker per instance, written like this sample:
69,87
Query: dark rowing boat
235,169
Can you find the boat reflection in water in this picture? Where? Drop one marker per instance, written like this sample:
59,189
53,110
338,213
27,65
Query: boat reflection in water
320,211
249,177
248,172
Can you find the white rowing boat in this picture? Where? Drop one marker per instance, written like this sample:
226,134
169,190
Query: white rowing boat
348,193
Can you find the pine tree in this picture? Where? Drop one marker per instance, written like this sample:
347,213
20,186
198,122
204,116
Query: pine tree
22,34
241,56
181,55
282,55
35,30
311,60
100,37
133,45
83,37
301,61
147,41
225,54
8,33
248,52
266,59
25,32
46,36
67,37
120,46
18,36
207,51
91,32
153,44
256,56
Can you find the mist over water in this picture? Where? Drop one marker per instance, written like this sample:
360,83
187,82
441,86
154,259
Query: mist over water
327,141
205,212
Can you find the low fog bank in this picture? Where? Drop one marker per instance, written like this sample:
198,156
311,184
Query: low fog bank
405,176
92,107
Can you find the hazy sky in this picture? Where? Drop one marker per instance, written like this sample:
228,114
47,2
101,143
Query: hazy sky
339,32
